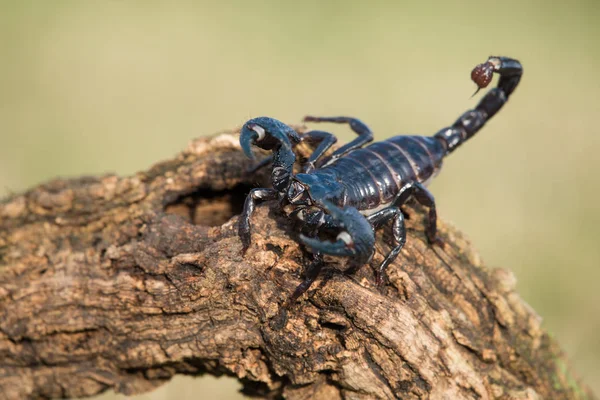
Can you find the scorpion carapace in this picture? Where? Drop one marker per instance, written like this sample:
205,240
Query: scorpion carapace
357,189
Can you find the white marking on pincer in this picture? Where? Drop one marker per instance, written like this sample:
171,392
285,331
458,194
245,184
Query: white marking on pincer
261,132
346,238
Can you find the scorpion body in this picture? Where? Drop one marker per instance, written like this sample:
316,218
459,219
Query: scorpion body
384,168
357,189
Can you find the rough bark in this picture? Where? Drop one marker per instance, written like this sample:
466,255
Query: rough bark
120,283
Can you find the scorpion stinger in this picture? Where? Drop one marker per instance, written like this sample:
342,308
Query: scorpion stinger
473,120
357,189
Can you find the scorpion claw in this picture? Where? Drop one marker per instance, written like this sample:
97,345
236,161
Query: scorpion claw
337,248
244,234
356,237
246,141
251,134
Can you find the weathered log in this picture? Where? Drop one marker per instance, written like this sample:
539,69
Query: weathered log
121,283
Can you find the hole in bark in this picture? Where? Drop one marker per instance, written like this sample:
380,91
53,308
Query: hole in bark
275,249
258,389
333,326
209,207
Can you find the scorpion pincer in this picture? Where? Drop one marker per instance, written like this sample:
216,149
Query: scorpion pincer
357,189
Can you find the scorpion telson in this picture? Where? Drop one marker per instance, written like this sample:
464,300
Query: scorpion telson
357,189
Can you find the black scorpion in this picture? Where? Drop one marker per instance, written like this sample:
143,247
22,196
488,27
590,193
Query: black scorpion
357,190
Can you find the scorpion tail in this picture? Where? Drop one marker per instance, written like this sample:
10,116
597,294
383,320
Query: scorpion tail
472,121
356,238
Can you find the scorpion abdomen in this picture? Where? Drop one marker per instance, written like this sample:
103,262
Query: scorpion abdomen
373,176
424,153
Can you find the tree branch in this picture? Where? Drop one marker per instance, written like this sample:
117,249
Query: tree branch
121,283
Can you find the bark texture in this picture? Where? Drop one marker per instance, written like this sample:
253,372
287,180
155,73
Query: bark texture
121,283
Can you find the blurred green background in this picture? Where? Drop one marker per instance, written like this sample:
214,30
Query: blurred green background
88,87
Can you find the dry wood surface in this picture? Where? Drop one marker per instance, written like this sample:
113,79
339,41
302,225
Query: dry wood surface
121,283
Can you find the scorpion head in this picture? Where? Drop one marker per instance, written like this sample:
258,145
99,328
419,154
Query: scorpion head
309,189
298,194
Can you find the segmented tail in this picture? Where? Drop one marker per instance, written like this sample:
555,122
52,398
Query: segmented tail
470,122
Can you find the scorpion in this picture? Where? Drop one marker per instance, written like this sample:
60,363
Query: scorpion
356,190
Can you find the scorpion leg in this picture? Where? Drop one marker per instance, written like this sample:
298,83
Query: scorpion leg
325,140
398,232
311,273
425,198
364,134
253,197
